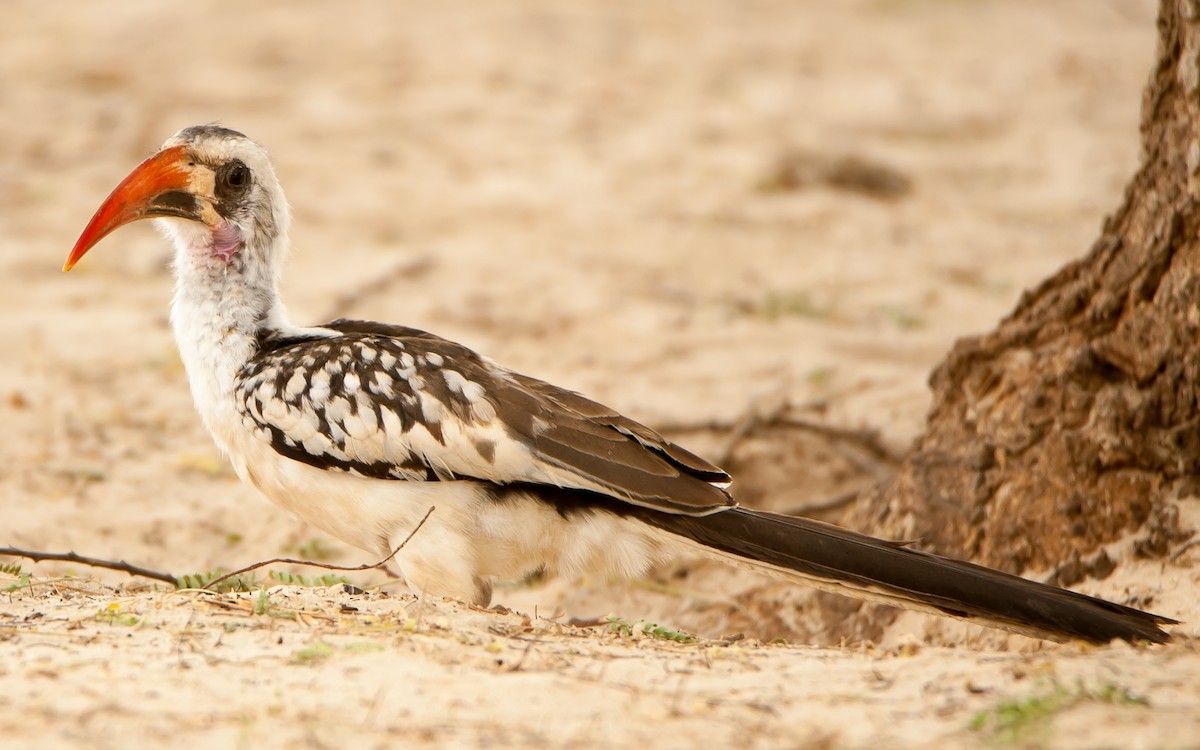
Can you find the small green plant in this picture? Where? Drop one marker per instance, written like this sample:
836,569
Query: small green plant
17,585
626,629
264,606
668,634
1116,695
1018,719
12,569
785,304
318,550
819,377
1024,720
362,647
294,579
85,474
902,317
262,603
203,579
319,651
113,615
314,654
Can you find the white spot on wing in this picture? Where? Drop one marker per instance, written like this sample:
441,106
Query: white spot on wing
306,425
272,409
315,445
473,392
454,380
355,428
432,410
366,412
319,393
295,384
381,384
395,446
337,409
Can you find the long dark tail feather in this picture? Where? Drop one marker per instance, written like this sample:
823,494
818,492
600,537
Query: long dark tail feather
836,559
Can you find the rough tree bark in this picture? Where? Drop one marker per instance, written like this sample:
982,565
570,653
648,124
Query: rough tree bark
1076,421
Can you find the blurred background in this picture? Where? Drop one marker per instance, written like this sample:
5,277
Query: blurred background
695,211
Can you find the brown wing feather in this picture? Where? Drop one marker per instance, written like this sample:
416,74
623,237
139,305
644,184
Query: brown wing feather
575,434
680,457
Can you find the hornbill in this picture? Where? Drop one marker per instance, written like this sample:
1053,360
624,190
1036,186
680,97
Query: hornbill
360,427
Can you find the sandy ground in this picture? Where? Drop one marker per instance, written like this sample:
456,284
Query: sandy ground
692,211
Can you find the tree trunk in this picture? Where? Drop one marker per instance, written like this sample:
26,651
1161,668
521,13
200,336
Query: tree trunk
1076,422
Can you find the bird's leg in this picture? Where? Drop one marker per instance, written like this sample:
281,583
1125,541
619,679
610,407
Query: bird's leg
438,562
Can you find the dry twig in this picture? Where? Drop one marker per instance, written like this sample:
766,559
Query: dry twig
346,301
93,562
869,454
324,566
135,570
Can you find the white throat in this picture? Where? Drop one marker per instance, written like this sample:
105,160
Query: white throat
217,314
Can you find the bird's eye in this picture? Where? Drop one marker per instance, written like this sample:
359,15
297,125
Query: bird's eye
237,175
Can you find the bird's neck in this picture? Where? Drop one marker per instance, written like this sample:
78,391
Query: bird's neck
219,313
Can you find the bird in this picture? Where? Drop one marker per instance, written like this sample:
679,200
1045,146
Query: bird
360,428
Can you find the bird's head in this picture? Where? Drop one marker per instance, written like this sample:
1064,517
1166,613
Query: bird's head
213,190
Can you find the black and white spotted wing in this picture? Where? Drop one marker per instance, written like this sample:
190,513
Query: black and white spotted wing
396,403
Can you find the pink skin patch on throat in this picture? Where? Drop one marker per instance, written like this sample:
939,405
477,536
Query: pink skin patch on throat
226,241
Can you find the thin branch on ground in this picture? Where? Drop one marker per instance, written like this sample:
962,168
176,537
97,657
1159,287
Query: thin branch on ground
345,302
751,421
158,575
71,557
325,566
872,457
1183,548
